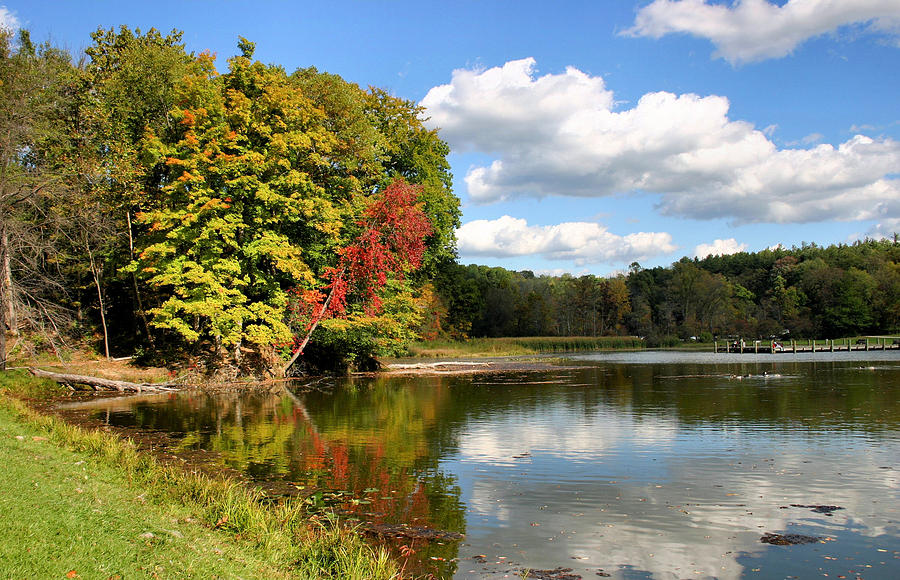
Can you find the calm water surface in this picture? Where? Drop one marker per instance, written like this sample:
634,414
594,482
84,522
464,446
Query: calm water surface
635,465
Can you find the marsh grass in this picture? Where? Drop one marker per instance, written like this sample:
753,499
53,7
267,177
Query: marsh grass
519,346
21,384
282,535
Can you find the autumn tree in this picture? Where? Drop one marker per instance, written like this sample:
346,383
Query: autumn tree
389,244
240,215
381,138
408,150
270,187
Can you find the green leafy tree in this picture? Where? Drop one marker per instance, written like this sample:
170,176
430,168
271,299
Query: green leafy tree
886,301
615,304
850,308
132,82
241,216
261,187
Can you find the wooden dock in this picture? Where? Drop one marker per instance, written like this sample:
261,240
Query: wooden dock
794,346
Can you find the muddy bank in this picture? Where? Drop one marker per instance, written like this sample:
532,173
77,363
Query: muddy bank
463,367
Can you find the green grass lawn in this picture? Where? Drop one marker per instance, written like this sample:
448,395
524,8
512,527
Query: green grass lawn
76,503
66,516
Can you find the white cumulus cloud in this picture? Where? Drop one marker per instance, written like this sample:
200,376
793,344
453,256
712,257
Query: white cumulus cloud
582,242
754,30
8,20
562,134
719,248
508,99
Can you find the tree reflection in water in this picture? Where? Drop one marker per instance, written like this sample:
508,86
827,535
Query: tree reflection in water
603,453
365,451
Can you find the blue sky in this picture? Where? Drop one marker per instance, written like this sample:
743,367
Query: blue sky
588,135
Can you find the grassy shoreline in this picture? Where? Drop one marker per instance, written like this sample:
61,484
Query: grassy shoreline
85,501
538,345
521,346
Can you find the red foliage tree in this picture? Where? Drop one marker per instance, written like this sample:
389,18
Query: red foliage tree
391,242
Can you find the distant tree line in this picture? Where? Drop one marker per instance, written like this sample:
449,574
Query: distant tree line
810,291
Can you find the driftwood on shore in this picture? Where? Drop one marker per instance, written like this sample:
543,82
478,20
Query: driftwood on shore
99,384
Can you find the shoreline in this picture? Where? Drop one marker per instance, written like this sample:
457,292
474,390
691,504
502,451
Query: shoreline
286,541
465,367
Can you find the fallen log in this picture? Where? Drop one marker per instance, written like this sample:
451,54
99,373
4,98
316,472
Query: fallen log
98,383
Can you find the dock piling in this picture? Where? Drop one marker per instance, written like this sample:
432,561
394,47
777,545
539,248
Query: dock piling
871,343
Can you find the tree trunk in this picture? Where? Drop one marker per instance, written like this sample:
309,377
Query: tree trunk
96,273
4,296
312,327
2,333
11,324
137,292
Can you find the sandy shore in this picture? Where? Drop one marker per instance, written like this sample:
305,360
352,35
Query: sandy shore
457,367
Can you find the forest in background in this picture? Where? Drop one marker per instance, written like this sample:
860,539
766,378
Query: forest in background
807,292
152,205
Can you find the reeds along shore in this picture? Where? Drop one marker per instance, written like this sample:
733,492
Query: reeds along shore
524,345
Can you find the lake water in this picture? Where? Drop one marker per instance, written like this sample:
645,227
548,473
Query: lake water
632,465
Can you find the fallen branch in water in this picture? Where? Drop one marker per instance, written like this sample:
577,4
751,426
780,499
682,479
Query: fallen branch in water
99,384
